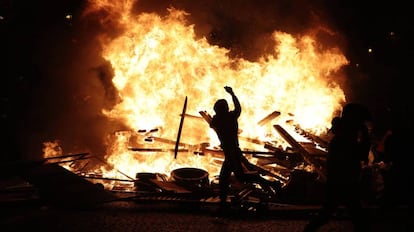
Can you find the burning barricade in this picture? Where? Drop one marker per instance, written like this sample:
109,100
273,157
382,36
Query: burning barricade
189,172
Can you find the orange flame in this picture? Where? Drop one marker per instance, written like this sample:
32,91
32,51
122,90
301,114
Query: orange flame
158,61
51,149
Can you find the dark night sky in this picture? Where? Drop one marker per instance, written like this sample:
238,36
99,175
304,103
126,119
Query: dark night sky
36,40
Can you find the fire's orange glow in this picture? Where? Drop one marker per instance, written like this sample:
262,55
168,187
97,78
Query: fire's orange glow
158,61
51,149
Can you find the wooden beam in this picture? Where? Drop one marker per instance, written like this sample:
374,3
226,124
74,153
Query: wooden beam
268,118
206,116
180,128
302,151
156,149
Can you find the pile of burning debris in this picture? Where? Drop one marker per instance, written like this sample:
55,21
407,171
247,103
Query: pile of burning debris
300,170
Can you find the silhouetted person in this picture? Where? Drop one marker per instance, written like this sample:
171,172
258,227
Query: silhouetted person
225,124
347,153
383,161
397,191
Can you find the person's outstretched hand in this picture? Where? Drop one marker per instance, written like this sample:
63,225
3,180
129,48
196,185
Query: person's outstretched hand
228,89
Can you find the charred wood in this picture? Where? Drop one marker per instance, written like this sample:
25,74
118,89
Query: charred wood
180,128
169,141
156,149
252,140
318,140
304,153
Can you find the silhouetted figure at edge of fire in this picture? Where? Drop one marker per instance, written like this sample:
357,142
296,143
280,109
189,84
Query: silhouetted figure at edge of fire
347,154
225,124
396,170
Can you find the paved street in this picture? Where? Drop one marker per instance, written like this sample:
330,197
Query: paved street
159,216
70,203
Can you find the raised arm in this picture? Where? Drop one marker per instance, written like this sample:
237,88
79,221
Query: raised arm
236,102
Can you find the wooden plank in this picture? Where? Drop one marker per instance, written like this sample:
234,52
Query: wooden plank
322,143
268,118
180,128
302,151
156,149
206,116
192,116
169,141
252,140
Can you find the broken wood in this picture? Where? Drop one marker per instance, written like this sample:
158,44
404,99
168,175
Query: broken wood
268,118
106,178
302,151
80,155
68,161
180,128
254,153
156,149
258,152
322,143
206,116
169,141
260,170
191,116
111,166
252,140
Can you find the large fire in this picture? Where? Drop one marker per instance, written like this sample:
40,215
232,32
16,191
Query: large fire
158,62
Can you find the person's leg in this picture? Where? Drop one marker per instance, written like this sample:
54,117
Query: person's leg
330,204
353,203
224,182
247,173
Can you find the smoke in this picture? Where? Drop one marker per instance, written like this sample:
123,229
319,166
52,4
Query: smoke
243,26
64,82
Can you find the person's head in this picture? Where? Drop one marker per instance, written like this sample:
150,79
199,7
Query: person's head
221,106
356,112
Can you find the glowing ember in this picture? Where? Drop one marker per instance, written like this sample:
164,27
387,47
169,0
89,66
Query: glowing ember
158,61
51,149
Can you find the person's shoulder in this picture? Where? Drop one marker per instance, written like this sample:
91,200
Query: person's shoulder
336,125
234,113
